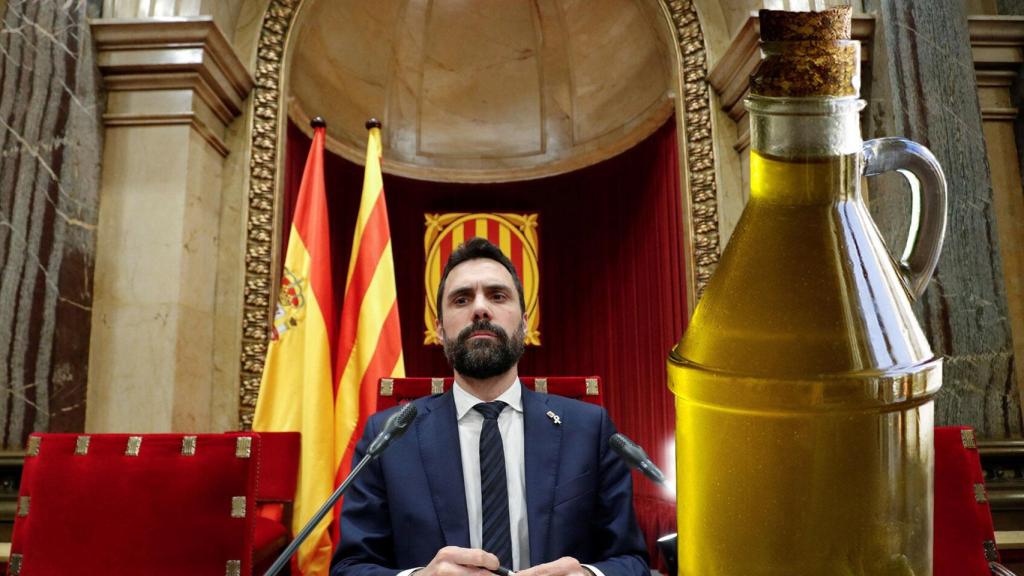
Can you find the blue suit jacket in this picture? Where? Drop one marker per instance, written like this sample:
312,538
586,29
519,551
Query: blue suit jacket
411,502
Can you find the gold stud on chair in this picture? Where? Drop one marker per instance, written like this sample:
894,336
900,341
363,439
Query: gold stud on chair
81,446
33,445
437,385
23,504
990,551
979,494
243,447
540,385
188,446
967,436
387,386
234,568
238,507
592,388
134,445
15,568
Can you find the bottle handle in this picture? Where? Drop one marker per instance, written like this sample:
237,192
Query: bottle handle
928,195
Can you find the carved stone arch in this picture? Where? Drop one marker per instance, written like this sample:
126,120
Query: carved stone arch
693,116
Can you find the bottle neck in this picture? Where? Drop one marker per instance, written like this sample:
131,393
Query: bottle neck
804,128
804,150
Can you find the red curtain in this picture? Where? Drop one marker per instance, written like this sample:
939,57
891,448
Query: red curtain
612,298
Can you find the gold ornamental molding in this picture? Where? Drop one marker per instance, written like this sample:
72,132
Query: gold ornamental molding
700,151
263,164
267,128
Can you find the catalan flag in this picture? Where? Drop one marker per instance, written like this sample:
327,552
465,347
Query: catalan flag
297,389
370,342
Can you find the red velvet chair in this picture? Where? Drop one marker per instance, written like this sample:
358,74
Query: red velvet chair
965,543
395,391
154,504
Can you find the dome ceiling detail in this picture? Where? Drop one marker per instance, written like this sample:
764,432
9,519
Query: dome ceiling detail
491,90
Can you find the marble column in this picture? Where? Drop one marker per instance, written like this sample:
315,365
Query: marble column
50,138
175,85
924,88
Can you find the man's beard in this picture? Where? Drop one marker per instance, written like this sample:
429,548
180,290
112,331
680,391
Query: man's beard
484,358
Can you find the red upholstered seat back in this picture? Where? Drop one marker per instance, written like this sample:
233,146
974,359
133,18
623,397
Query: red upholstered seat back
394,391
154,504
963,520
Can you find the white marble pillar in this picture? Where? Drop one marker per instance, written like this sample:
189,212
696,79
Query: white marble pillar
174,85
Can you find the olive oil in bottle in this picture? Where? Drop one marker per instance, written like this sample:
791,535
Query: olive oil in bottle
804,384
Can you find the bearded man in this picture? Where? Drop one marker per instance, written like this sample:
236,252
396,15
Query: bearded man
491,475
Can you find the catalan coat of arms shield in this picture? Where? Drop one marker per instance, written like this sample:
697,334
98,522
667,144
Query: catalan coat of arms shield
515,234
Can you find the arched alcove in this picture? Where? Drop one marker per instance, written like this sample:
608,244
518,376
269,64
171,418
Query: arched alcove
274,51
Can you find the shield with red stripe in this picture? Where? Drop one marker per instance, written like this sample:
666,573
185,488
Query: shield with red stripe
515,234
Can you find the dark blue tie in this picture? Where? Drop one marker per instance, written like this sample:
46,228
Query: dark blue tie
497,536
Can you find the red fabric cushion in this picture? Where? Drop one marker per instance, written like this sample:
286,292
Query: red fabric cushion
962,524
270,539
157,513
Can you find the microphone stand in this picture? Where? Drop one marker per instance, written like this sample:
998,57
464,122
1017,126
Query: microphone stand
394,428
286,556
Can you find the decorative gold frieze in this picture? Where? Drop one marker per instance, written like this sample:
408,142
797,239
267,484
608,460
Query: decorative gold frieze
265,148
234,568
592,387
387,386
540,385
238,507
188,446
134,445
81,445
243,447
700,156
23,505
437,385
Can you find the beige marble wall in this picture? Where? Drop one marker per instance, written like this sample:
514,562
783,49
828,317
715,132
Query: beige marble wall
156,249
167,305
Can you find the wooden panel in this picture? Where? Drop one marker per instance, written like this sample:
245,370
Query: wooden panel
934,101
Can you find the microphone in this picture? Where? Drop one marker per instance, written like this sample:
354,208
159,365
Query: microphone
635,457
396,425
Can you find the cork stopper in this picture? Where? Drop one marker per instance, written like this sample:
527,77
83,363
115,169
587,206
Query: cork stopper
807,54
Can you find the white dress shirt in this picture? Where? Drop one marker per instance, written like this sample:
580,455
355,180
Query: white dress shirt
510,425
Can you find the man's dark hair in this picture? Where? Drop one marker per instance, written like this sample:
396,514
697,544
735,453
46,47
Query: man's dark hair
475,249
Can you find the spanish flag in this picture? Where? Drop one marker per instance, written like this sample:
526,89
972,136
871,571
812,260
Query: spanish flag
297,389
370,340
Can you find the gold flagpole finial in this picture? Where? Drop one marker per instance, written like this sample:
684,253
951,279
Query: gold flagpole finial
318,122
373,123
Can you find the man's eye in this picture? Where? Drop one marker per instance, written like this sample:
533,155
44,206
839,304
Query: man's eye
460,301
500,297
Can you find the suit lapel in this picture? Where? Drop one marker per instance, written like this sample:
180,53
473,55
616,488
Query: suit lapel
442,460
543,440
